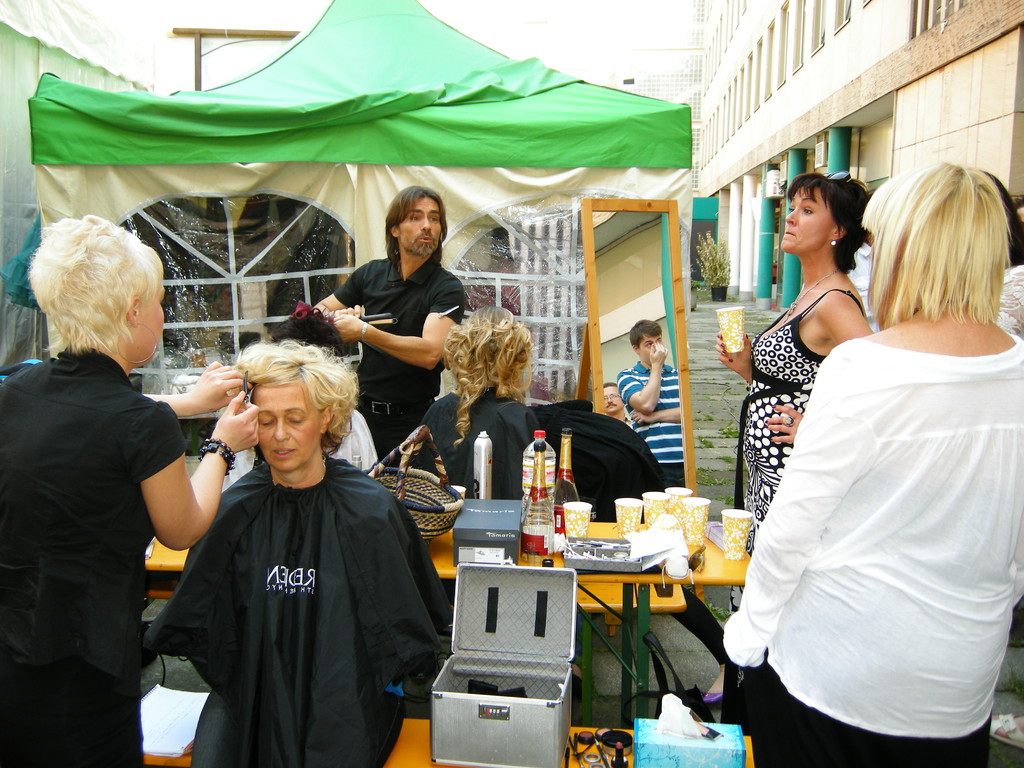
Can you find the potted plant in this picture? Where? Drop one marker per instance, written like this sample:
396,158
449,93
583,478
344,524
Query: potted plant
713,259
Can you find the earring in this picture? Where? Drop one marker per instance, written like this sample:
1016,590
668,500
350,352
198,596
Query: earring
156,346
833,243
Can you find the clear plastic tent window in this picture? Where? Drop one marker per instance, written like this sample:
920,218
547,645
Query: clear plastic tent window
233,268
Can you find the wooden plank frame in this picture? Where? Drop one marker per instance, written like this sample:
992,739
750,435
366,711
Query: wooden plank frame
591,356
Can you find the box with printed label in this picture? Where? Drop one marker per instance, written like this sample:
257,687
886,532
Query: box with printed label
502,697
487,531
658,750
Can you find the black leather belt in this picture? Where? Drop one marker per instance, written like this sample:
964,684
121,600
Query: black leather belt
380,408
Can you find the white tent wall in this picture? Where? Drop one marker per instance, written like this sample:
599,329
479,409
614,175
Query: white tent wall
103,35
23,58
536,209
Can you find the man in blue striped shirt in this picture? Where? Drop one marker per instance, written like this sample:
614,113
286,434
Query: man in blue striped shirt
650,390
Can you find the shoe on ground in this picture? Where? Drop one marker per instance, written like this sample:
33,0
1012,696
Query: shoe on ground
1011,734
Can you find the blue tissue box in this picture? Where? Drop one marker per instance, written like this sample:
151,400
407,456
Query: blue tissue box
657,750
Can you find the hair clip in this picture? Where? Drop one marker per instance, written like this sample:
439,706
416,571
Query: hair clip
303,310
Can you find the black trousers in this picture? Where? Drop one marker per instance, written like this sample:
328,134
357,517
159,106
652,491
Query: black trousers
673,475
65,714
787,733
390,431
702,623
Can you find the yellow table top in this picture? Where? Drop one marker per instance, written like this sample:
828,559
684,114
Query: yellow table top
717,570
164,559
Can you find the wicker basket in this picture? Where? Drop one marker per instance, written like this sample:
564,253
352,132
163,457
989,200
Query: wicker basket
431,501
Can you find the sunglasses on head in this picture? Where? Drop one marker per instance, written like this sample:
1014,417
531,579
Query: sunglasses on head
838,176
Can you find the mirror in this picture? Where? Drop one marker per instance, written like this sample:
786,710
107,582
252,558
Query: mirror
633,271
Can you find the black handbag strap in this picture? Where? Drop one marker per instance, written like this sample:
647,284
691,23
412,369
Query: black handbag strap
404,453
691,697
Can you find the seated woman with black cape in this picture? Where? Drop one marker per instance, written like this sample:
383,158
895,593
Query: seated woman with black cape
312,593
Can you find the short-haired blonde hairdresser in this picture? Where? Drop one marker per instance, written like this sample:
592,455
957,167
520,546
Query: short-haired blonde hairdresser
879,596
90,470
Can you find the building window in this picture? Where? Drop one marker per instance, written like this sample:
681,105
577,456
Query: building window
783,45
843,10
758,67
933,13
818,25
752,84
798,34
769,59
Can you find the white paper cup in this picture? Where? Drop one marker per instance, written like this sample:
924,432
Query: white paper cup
627,515
461,490
695,519
730,323
577,518
735,529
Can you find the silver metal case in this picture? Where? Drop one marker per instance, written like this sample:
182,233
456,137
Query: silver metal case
514,626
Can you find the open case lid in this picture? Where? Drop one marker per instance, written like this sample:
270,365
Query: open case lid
515,612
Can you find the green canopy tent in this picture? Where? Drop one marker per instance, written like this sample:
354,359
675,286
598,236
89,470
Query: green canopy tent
380,82
378,95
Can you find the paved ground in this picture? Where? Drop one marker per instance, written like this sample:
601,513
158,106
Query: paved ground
716,393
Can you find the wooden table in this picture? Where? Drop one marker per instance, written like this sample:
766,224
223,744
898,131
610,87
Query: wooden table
413,747
412,750
163,569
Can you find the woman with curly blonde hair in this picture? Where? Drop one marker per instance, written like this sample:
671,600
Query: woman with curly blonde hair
489,357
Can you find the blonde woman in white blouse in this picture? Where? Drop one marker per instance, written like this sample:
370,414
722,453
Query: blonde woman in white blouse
879,597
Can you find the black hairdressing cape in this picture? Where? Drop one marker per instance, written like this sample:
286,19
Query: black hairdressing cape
299,607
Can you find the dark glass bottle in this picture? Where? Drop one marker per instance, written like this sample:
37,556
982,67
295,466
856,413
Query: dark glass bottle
565,484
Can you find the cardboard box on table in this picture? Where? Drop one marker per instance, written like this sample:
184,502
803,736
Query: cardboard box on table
513,627
487,531
657,750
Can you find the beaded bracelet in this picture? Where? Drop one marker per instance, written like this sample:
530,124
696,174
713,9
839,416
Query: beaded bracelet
220,447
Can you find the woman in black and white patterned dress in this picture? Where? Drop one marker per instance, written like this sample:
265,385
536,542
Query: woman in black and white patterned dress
823,230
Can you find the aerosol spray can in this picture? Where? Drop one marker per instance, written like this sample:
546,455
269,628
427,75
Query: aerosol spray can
482,453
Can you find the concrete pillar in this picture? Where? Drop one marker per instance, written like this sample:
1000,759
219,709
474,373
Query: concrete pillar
746,292
735,220
765,253
792,276
839,149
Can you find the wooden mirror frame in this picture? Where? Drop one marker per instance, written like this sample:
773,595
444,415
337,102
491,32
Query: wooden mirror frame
591,357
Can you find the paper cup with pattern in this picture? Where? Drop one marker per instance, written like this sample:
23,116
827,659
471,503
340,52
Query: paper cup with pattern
675,502
656,508
577,518
735,529
730,323
627,515
695,519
